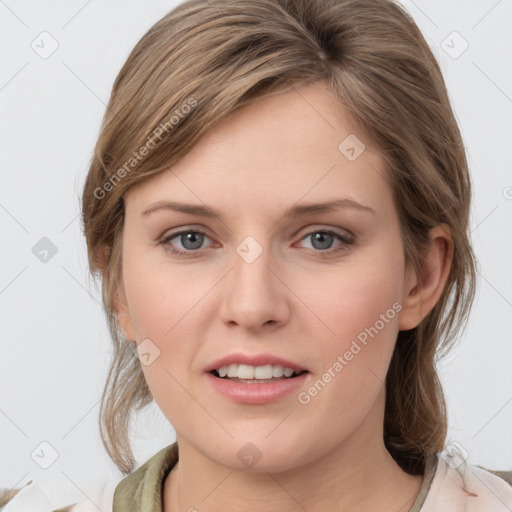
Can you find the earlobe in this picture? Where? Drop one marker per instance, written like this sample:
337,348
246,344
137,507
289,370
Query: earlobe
122,314
423,289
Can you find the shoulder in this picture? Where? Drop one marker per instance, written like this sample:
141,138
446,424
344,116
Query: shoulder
459,486
140,490
31,498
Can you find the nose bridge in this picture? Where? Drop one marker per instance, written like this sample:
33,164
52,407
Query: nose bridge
254,296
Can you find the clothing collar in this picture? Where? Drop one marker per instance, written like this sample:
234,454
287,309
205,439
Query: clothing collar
428,476
142,490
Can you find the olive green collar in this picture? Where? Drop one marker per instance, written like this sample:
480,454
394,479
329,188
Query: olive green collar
142,490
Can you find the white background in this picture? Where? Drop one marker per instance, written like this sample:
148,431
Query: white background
55,344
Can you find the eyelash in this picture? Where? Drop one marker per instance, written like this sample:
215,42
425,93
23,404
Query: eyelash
194,253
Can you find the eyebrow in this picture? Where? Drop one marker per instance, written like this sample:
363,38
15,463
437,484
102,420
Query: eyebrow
295,211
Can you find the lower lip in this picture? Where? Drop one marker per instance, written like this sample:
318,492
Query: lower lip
249,393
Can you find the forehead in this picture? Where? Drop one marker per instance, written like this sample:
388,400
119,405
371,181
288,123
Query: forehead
289,147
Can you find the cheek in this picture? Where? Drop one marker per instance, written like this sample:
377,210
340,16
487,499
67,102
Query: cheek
160,295
359,307
351,297
163,305
166,305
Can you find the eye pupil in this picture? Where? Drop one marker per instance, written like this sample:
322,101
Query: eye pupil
193,237
320,237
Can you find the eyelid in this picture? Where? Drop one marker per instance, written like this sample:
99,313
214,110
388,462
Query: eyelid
345,240
179,231
170,232
325,227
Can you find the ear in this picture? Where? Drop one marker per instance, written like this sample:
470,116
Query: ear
122,313
422,290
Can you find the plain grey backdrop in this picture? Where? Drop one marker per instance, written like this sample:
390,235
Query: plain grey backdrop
59,61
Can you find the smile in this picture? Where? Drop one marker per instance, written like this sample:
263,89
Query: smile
248,373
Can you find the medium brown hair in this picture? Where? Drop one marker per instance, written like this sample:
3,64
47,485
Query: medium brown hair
207,58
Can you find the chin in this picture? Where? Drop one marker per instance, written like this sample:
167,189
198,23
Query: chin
253,454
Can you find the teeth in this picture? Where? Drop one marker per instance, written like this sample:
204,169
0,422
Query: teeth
263,372
288,372
245,371
233,370
277,370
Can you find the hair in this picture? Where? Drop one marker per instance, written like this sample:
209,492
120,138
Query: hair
207,58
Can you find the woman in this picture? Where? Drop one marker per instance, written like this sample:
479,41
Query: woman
278,209
228,128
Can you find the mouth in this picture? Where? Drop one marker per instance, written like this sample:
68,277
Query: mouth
256,379
249,374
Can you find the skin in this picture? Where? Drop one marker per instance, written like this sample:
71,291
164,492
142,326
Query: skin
292,301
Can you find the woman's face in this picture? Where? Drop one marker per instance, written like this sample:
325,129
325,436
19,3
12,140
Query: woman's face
320,291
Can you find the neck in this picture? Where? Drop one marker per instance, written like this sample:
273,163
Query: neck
356,475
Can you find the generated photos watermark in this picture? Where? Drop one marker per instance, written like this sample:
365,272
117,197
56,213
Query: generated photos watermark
343,360
150,144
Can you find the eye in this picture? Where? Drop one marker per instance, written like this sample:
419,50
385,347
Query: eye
190,240
322,240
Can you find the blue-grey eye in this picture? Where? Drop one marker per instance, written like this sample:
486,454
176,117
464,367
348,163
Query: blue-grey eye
322,239
191,240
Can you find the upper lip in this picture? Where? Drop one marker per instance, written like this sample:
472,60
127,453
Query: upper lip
253,360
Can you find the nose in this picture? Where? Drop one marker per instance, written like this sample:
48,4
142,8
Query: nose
254,294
